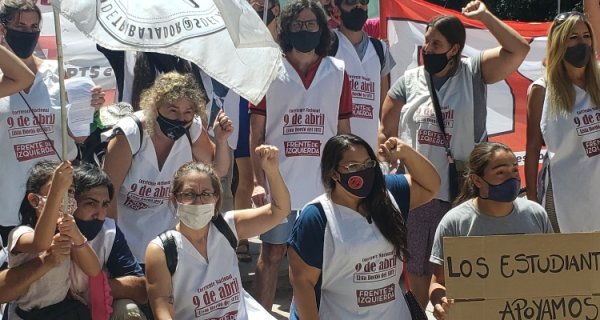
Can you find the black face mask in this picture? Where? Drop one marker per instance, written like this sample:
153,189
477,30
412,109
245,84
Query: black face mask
22,43
435,62
270,15
578,55
89,229
174,129
354,19
305,41
358,183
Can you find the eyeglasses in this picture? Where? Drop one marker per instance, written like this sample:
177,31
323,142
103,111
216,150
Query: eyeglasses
309,25
354,2
561,17
189,197
355,167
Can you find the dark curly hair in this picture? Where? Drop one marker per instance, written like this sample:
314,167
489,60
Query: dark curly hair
290,12
382,211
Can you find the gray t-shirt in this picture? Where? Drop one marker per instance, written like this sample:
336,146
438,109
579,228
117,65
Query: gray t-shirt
398,92
466,220
388,60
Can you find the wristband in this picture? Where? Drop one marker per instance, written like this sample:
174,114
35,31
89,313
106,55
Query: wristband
79,246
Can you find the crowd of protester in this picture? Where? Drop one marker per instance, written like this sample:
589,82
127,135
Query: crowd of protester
330,169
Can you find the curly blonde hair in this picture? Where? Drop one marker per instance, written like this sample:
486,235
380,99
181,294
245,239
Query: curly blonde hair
168,89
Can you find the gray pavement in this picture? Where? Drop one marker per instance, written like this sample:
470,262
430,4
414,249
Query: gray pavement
283,296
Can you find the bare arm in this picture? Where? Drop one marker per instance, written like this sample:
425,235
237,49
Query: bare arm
592,10
129,287
257,138
390,118
303,279
116,165
219,153
41,239
158,283
500,62
423,178
15,282
535,102
437,293
16,75
252,222
343,126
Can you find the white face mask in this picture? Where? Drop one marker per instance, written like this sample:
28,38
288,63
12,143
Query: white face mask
71,204
195,216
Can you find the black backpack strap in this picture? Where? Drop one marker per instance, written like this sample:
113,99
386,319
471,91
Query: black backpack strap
138,121
379,49
170,248
224,228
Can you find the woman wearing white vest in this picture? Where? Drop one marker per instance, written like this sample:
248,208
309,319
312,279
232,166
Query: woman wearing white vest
25,113
568,123
206,283
307,103
460,85
141,168
346,256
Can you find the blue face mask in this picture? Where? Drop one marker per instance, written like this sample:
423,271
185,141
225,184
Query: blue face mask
507,191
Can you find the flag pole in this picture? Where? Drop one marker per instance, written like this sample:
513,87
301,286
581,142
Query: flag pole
63,94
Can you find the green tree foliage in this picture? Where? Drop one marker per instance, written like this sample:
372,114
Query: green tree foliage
519,10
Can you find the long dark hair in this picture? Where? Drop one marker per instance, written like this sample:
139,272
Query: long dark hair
478,161
39,174
290,12
382,211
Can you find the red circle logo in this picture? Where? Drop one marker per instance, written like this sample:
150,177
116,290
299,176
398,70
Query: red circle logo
355,182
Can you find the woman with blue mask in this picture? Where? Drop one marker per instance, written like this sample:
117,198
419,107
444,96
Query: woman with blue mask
150,145
488,205
347,248
459,84
205,282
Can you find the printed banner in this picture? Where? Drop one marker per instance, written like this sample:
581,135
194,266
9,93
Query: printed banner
403,23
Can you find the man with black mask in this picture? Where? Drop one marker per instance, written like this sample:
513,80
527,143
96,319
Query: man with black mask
308,102
93,192
273,10
368,62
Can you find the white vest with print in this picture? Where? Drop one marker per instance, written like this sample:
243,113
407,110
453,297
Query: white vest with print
418,124
300,121
23,142
365,81
573,144
360,272
213,289
102,245
143,199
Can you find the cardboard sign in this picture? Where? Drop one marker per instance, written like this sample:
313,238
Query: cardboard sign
543,276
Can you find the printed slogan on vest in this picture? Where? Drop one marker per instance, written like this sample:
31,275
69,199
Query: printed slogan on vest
587,122
147,194
304,121
221,294
373,269
146,30
22,123
425,116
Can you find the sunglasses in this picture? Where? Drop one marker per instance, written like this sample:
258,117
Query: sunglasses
561,17
354,2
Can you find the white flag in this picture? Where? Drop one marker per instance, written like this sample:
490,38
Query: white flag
225,38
